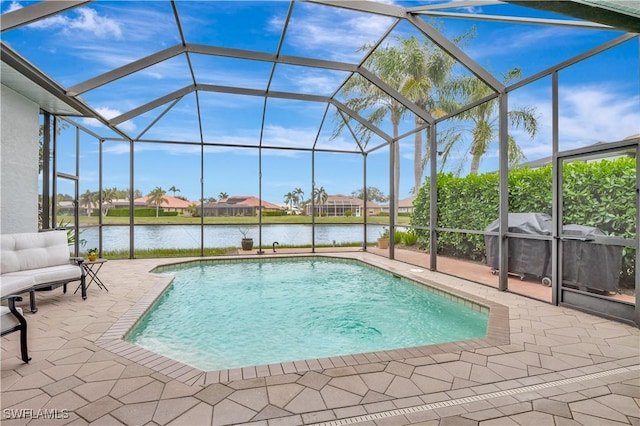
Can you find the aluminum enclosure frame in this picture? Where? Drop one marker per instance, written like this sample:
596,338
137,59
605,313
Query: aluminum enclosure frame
70,96
579,299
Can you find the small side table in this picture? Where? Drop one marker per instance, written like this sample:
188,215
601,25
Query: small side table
91,268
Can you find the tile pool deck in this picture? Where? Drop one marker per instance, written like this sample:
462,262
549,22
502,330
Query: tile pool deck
540,365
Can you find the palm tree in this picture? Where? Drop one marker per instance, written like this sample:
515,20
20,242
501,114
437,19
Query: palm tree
173,189
108,195
483,122
127,194
298,196
157,197
418,70
288,199
87,200
427,69
323,197
120,194
386,63
223,196
320,197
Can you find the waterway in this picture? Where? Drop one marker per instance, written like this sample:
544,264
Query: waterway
116,238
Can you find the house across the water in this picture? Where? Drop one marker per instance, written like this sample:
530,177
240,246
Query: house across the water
237,206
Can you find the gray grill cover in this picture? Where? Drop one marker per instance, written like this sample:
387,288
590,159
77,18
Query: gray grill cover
530,257
590,265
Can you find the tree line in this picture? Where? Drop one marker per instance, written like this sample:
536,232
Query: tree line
295,199
90,199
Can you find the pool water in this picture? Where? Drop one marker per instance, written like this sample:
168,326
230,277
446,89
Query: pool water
242,313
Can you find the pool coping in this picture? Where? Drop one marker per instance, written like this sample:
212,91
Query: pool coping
113,340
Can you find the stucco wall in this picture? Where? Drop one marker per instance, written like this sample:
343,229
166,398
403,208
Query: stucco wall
18,163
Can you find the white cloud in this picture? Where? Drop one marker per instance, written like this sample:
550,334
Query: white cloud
88,20
97,35
275,24
336,33
13,6
277,137
248,77
587,114
535,151
116,148
505,41
308,80
597,113
288,136
120,148
82,20
108,113
244,137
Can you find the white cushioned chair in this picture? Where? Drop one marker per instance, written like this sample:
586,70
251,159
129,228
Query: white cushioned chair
11,317
44,257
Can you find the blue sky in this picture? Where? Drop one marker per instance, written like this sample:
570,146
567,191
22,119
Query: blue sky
599,97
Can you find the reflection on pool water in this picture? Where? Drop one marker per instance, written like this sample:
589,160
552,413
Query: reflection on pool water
227,314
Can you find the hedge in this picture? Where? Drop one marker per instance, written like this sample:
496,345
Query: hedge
266,213
142,212
600,194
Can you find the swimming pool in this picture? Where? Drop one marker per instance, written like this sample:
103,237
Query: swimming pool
228,314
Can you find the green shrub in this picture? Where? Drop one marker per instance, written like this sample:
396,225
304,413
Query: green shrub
141,212
409,238
274,213
148,212
118,212
600,194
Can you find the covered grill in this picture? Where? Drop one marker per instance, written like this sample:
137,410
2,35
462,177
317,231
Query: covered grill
588,265
526,257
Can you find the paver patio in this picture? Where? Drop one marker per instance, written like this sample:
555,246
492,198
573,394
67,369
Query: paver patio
554,366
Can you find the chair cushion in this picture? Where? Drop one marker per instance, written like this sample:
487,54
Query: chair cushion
15,285
7,319
33,250
51,274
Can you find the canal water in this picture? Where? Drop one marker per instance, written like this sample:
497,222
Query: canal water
115,238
